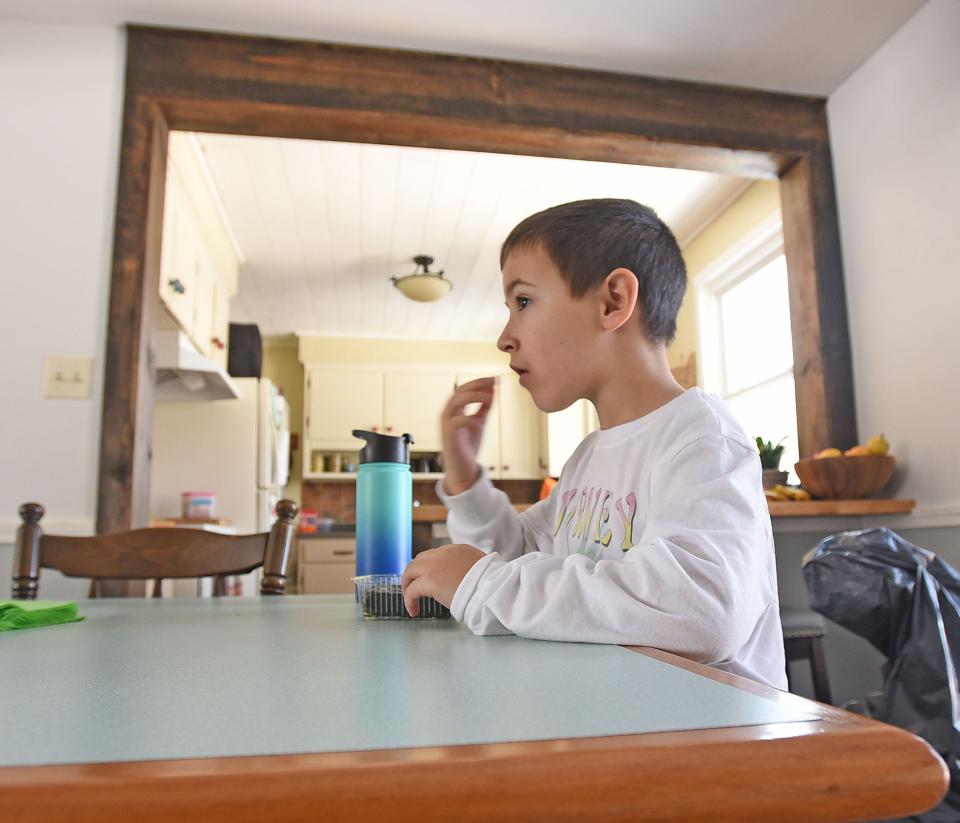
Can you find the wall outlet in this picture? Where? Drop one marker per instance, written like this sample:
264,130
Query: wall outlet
67,377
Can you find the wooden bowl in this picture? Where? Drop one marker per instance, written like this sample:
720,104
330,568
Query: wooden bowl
845,478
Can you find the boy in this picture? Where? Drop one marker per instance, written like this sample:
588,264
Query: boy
657,533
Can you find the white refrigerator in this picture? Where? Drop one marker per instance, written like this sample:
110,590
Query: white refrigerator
238,449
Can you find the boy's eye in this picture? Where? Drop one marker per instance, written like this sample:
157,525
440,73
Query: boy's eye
522,302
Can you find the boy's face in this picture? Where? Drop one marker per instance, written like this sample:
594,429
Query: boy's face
549,334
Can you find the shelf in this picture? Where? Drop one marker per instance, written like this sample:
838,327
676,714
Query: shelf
437,512
786,508
832,508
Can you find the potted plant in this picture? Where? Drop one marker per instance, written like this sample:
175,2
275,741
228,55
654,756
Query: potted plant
770,455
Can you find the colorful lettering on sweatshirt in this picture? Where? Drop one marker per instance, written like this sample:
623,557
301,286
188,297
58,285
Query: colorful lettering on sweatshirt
584,516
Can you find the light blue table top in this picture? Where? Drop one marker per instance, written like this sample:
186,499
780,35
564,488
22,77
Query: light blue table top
170,679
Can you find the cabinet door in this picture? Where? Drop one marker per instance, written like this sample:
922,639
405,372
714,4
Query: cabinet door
178,260
565,430
327,578
520,435
204,302
221,325
340,400
413,402
489,454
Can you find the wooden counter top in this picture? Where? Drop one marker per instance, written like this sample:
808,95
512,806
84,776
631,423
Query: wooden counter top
832,508
437,512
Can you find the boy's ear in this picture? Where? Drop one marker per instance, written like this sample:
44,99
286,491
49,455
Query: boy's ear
619,294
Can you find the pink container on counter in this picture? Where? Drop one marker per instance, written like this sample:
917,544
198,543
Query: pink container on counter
198,505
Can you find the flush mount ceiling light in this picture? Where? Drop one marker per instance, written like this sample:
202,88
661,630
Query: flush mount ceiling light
423,286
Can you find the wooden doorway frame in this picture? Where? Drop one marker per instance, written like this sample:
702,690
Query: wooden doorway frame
198,81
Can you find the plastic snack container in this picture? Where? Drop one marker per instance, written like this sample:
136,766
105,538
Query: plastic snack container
381,598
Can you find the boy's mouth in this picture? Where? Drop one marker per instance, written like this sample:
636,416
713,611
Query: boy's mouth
521,373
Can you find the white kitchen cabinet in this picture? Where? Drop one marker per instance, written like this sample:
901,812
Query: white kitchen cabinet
221,324
198,266
413,402
565,430
203,307
521,439
398,399
178,265
338,400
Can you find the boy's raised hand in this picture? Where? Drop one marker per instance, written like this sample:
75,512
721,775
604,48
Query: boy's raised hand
462,433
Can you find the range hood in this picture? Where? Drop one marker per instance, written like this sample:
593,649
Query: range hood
185,374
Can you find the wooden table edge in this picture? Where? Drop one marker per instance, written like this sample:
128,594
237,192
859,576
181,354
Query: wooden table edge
869,770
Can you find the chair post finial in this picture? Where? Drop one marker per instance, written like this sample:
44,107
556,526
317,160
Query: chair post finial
26,558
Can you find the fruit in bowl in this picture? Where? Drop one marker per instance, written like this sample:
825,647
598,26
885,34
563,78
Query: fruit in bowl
860,471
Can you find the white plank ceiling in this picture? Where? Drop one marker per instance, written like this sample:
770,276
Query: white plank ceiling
322,226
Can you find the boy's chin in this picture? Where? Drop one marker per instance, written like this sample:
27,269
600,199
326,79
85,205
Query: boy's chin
548,404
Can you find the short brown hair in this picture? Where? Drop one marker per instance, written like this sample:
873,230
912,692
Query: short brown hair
588,239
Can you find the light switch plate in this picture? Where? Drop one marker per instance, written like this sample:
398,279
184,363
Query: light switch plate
67,377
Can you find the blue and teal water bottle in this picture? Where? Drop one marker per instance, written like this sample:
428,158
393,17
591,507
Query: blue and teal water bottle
384,504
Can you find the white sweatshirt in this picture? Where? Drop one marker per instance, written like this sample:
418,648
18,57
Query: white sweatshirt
657,534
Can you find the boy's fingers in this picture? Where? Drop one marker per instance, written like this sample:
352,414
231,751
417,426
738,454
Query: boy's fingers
412,595
468,421
413,570
460,399
480,382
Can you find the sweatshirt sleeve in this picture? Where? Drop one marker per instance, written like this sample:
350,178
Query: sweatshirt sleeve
695,583
483,516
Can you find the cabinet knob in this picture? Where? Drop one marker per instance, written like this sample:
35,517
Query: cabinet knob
218,343
374,428
177,285
389,428
505,468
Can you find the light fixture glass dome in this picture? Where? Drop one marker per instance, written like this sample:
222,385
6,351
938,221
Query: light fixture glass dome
423,286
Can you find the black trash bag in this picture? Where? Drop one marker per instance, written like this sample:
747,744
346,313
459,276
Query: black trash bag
906,602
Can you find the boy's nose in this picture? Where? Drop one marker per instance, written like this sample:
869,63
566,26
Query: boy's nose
505,342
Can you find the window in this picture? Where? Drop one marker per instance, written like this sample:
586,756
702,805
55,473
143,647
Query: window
745,339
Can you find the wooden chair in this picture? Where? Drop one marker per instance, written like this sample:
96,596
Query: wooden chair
803,633
145,554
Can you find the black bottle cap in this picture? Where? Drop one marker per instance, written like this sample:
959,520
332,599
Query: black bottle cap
384,448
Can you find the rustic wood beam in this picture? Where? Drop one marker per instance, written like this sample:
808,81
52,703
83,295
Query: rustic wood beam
199,81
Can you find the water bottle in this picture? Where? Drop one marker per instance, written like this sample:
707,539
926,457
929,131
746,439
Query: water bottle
384,504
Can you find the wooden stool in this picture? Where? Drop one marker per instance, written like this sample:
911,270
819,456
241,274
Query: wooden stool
803,633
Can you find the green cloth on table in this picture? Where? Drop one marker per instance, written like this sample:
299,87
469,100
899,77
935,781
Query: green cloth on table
26,614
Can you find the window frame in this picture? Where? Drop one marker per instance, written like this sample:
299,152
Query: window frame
742,260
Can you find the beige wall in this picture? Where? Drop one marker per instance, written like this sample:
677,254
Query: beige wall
282,366
750,209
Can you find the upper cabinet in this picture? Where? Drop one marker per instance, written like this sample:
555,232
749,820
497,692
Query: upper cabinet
198,263
398,399
565,430
413,402
522,431
339,400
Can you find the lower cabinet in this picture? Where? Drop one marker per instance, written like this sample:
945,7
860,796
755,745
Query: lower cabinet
326,565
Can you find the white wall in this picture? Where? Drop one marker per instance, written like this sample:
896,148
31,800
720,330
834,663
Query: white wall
61,98
895,133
